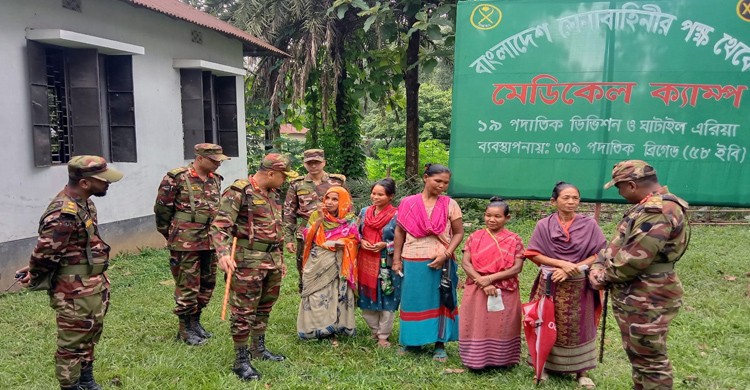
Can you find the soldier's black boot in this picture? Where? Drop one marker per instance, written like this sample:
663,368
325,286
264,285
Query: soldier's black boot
187,333
87,382
242,366
73,387
259,351
199,328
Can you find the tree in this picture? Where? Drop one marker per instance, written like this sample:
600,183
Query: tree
418,30
391,162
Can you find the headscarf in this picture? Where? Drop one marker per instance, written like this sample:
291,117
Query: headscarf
323,226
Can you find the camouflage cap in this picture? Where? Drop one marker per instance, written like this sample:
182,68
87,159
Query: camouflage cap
314,155
212,151
630,170
278,162
92,166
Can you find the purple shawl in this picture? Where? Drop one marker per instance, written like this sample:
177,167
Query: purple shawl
583,239
412,216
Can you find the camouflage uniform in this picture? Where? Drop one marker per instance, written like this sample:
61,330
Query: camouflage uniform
71,255
255,220
184,208
638,265
302,198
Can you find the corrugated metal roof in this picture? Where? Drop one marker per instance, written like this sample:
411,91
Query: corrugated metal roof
179,10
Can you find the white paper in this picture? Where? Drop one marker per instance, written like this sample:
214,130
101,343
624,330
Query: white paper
495,303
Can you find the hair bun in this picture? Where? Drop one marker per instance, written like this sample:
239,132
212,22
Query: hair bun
496,199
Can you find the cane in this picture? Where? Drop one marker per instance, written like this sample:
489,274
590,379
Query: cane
229,282
604,326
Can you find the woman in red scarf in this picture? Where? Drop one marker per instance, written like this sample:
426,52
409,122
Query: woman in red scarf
379,286
490,332
329,276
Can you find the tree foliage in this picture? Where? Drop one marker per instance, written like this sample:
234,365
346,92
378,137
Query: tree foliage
391,162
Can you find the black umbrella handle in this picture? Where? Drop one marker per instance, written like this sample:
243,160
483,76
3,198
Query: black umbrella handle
548,287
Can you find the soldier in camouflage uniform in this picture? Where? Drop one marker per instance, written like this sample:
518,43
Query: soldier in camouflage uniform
187,201
69,261
302,198
638,267
250,211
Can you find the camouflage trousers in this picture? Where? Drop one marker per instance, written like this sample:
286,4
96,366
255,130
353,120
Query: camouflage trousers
79,326
644,338
194,279
253,293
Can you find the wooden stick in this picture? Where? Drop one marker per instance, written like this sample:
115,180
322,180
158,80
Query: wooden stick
229,283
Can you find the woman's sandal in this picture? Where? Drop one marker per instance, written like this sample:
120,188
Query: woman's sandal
586,382
440,355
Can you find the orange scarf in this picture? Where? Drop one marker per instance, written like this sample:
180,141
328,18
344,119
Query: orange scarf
334,228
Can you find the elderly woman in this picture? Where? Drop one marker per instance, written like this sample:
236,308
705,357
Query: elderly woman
564,244
429,230
379,286
329,269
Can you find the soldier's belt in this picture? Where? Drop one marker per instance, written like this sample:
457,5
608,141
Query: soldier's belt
83,269
659,268
190,217
259,246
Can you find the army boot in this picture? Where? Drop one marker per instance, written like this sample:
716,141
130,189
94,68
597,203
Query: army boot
259,351
73,387
242,366
199,328
87,381
187,333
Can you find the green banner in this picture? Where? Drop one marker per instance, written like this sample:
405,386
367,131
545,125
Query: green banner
562,90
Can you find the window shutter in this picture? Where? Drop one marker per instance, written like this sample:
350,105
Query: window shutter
191,81
226,107
209,108
39,104
121,108
86,123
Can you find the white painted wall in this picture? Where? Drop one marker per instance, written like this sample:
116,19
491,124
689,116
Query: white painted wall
26,190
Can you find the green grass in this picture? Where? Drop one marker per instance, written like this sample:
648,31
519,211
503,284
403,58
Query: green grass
709,341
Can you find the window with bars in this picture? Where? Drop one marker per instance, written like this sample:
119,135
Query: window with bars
209,111
82,103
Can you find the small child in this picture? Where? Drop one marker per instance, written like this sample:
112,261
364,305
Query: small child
490,327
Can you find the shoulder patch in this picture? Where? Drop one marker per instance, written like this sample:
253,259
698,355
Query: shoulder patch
69,207
654,204
177,171
338,176
240,184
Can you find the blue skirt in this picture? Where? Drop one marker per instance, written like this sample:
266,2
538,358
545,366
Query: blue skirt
423,319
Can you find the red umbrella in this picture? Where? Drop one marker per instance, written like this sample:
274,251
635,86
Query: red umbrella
539,327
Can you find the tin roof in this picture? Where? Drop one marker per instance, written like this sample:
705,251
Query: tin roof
178,10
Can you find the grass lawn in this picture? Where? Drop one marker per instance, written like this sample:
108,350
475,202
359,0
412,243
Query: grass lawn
709,341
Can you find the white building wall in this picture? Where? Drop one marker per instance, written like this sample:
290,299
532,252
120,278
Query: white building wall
26,189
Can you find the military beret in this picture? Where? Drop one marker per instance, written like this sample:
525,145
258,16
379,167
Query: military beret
92,166
630,170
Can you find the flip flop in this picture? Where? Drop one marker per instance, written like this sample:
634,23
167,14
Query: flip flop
440,355
586,382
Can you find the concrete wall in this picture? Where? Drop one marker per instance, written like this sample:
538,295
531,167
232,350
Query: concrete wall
27,190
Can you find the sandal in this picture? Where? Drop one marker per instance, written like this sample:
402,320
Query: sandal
586,382
383,343
440,355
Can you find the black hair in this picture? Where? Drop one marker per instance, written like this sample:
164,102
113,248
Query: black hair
561,185
435,169
497,201
73,181
388,184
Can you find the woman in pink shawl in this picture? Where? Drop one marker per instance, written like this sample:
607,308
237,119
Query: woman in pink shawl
429,229
490,329
565,244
